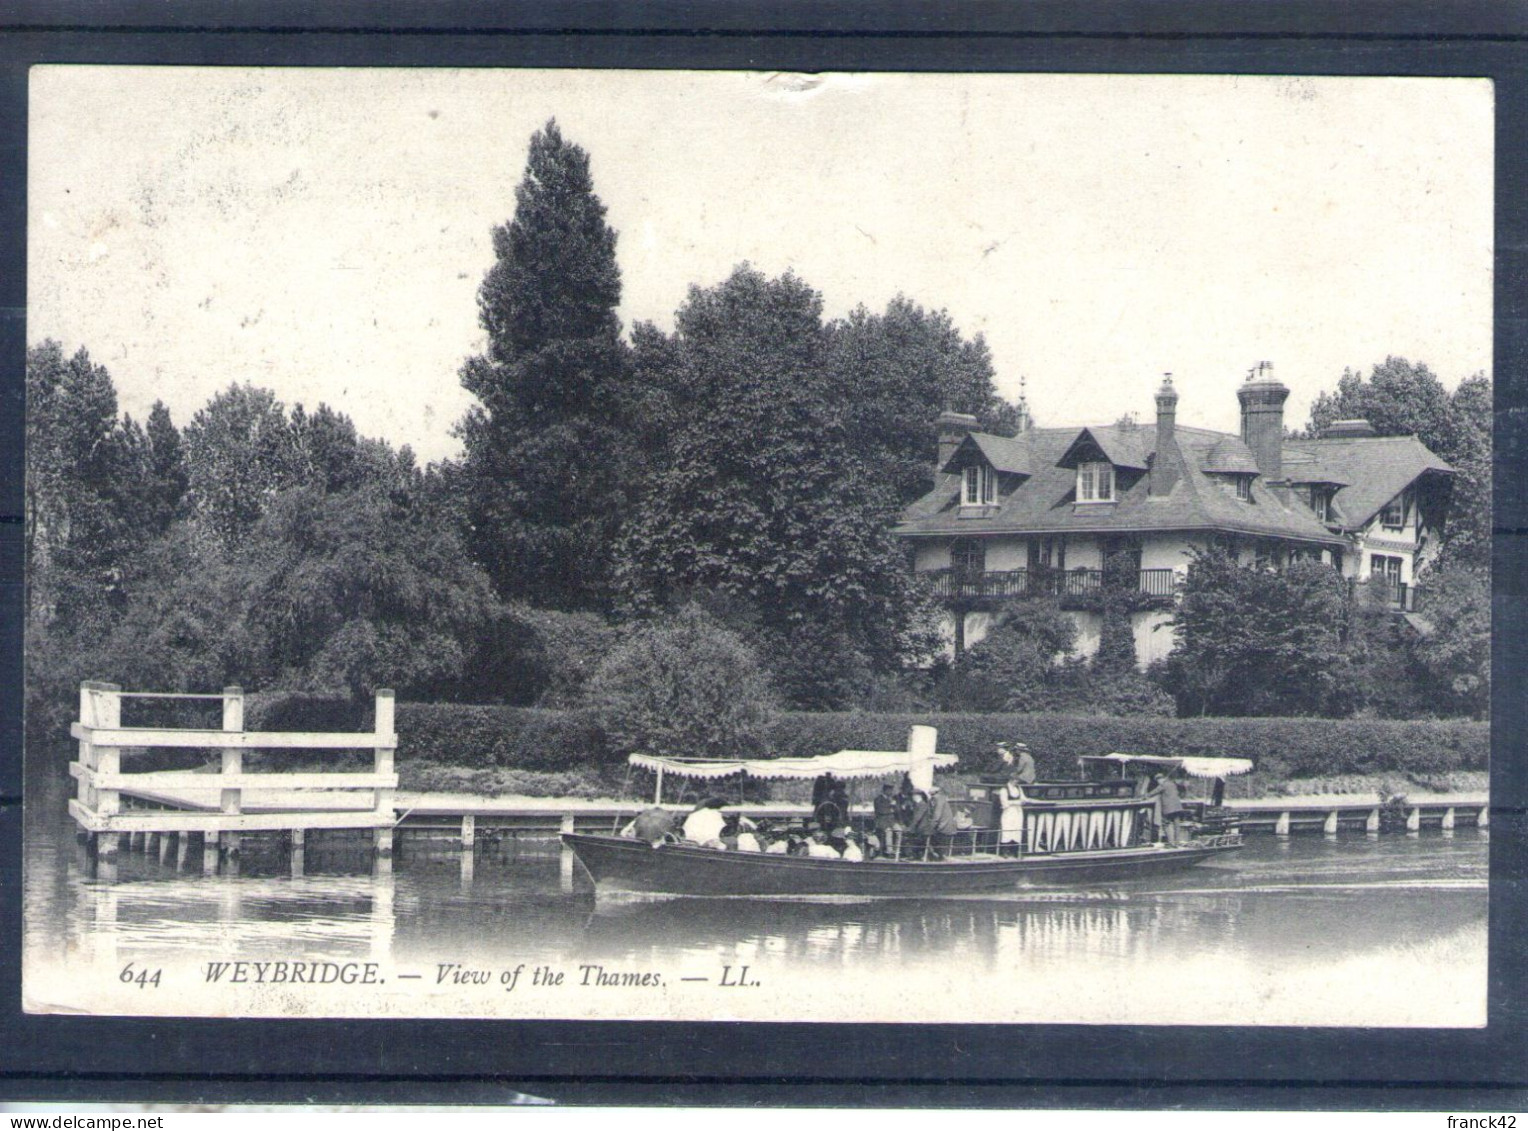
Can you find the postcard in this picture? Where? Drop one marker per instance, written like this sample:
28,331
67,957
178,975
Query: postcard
720,545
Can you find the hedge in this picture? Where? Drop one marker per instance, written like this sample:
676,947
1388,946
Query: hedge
539,739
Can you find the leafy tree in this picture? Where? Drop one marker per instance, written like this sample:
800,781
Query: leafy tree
1017,666
1455,651
683,686
83,470
1253,641
346,592
904,367
168,476
241,451
544,466
1467,537
760,493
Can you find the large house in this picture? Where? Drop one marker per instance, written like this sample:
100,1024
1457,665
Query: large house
1040,513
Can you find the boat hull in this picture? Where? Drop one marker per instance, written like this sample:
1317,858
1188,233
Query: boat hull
620,864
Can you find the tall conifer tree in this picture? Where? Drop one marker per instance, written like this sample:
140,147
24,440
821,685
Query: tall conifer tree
543,469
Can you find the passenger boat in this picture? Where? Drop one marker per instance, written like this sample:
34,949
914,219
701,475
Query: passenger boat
1104,826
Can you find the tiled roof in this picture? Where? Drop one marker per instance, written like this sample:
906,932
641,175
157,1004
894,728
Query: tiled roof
1230,457
1006,453
1126,447
1044,502
1374,470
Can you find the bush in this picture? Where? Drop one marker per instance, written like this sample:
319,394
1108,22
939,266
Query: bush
1286,747
533,739
684,686
529,738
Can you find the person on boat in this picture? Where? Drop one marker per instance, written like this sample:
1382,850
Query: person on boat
745,837
652,825
1170,804
942,824
886,818
705,824
819,847
1023,764
919,818
1010,835
845,845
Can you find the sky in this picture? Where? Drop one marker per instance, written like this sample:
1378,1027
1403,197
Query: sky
323,232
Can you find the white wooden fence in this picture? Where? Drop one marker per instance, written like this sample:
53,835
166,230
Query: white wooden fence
230,801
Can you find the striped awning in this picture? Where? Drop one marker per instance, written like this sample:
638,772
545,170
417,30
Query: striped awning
847,764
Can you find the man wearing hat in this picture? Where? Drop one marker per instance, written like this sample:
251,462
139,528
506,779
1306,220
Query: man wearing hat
1018,759
942,824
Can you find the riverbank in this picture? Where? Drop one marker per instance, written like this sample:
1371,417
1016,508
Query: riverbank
604,787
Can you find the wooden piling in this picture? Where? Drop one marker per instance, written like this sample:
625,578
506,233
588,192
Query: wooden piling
565,860
469,831
231,800
1483,818
1448,818
209,854
298,859
1371,823
1329,826
1281,826
1414,819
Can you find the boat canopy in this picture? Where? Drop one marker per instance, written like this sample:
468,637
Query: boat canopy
1193,765
845,764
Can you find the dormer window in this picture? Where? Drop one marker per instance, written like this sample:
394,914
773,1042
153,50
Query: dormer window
1244,488
1095,483
1393,517
978,486
1321,503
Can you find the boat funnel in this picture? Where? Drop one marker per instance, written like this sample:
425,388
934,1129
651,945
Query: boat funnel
921,743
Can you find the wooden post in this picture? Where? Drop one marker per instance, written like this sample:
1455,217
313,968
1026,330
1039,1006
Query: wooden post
1371,823
384,841
107,713
1281,826
209,854
1448,818
164,847
1329,826
469,831
1483,818
565,868
299,863
1414,819
383,760
182,851
233,758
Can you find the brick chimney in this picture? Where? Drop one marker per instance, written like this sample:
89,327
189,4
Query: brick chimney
1262,399
1164,464
953,427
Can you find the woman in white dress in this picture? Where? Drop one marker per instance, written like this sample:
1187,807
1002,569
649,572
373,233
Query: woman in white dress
1010,837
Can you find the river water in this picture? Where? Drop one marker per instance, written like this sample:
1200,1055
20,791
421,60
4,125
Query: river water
1354,930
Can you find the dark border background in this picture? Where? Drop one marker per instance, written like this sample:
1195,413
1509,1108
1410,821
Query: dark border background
212,1061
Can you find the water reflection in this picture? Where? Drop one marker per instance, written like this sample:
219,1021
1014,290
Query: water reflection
1272,913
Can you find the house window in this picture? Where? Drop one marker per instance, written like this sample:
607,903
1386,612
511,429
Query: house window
1095,483
979,486
1393,517
1321,503
1244,488
968,558
1385,568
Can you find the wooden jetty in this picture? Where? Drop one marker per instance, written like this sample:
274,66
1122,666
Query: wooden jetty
112,801
178,812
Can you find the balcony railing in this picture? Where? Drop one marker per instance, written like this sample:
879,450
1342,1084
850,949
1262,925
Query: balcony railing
957,585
